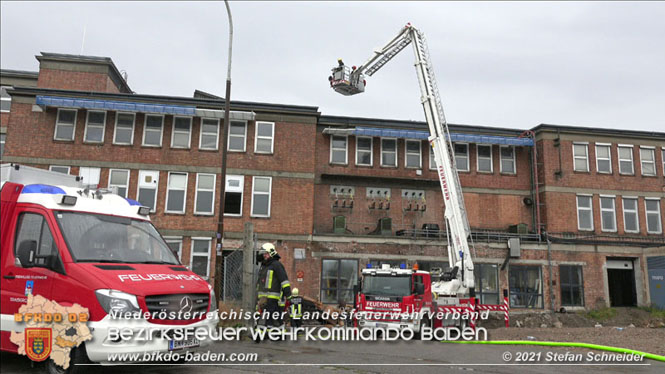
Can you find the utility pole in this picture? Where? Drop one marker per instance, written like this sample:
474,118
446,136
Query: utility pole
225,131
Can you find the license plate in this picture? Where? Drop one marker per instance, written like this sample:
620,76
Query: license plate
180,344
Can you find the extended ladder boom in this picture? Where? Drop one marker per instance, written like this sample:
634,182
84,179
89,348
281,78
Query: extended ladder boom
455,213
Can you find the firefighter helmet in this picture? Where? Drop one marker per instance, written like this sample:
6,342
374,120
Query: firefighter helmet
270,248
294,292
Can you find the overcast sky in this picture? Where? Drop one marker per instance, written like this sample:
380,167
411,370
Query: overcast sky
503,64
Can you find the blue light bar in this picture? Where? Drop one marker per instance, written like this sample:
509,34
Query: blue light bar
402,266
43,188
369,265
121,106
455,137
132,202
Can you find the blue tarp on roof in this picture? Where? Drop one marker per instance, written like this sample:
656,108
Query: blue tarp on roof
455,137
121,106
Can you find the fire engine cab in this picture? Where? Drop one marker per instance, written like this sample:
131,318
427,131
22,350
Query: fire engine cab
77,245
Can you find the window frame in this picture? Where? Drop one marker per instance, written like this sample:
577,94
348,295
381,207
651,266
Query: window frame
126,186
3,141
196,194
201,133
168,190
87,125
189,132
590,209
480,294
69,168
115,128
660,218
257,137
468,158
254,178
586,157
138,187
338,279
491,158
175,239
574,270
653,161
193,254
371,150
632,158
396,153
333,150
240,189
244,137
407,153
98,170
608,159
57,123
614,212
524,268
432,158
513,160
145,130
635,211
2,98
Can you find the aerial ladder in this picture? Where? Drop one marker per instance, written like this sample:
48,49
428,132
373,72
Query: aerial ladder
457,281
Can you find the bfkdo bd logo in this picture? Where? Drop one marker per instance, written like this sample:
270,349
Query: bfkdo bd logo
37,343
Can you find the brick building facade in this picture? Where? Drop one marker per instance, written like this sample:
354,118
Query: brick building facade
335,193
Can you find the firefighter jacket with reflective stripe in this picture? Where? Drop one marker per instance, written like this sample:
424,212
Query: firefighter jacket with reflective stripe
273,281
296,307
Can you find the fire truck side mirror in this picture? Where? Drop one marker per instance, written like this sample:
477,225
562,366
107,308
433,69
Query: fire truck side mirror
26,253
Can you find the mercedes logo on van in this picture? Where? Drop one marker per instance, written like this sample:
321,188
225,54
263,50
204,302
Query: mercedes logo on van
185,304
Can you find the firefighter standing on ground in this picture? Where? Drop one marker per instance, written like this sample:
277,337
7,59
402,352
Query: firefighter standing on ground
272,284
295,309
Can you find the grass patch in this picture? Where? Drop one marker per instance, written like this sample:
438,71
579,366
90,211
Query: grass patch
654,311
601,314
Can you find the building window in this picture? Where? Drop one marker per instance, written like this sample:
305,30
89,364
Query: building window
94,127
90,176
176,193
581,157
175,244
364,151
338,149
626,159
237,136
608,221
5,99
526,289
147,188
631,222
209,134
487,283
484,162
205,194
432,159
662,157
603,158
572,285
461,156
413,157
337,280
124,128
648,161
389,152
339,225
265,136
3,138
182,132
199,258
65,124
261,188
233,195
152,131
654,225
584,213
507,159
119,178
60,169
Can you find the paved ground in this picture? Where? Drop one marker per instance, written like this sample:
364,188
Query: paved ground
370,357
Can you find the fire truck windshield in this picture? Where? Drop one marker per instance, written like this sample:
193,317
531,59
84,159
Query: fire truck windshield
387,285
103,238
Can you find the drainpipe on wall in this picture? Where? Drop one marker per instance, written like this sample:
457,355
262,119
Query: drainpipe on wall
549,266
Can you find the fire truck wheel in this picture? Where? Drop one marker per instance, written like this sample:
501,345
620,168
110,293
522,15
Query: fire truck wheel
76,356
426,322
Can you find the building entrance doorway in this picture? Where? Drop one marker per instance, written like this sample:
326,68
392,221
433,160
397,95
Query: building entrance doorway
621,282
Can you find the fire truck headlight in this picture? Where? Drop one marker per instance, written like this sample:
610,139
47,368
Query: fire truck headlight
114,301
213,300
